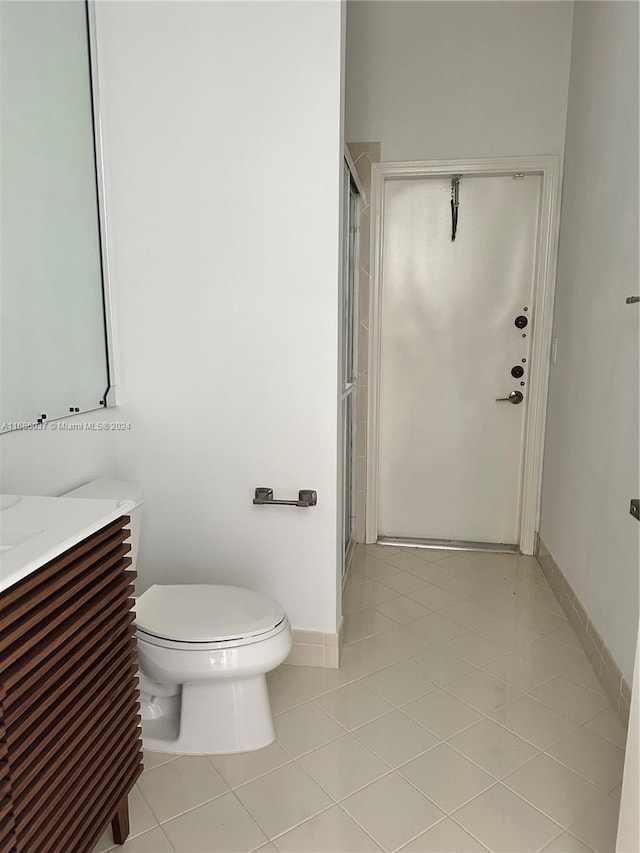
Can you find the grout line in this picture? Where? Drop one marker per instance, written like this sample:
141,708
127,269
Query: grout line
468,831
192,808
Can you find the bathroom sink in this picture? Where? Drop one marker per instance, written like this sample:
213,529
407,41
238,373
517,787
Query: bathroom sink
35,529
12,536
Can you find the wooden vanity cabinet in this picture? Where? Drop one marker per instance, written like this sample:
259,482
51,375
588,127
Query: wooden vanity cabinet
70,737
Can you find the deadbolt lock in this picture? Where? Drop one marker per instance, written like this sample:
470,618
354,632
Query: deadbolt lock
521,321
517,371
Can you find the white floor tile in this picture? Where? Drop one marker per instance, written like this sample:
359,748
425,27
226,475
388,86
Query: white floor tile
305,728
141,818
153,841
510,632
392,811
402,609
483,691
282,799
365,623
343,766
222,826
553,655
468,614
583,674
598,827
494,748
519,672
590,755
403,558
434,598
437,629
398,684
446,777
567,636
554,789
474,649
565,843
155,759
438,666
534,722
444,837
105,843
377,569
332,831
461,563
432,572
284,692
616,792
353,705
174,788
441,713
438,641
607,725
570,699
432,555
464,586
504,823
363,658
396,738
502,603
245,766
403,582
355,577
365,595
401,643
315,680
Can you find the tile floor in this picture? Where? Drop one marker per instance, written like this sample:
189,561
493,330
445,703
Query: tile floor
464,717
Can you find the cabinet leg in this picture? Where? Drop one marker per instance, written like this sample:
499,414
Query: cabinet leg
120,822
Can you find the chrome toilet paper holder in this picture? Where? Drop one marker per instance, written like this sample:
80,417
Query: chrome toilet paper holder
264,497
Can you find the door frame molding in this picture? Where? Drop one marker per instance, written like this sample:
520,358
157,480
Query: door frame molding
548,167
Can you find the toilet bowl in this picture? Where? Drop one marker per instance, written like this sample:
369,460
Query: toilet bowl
204,651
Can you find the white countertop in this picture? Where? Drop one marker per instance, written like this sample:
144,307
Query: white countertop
34,530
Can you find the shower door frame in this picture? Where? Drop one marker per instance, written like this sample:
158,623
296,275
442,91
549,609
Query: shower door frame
548,167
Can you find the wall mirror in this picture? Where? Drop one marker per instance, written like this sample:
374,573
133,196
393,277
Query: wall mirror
53,347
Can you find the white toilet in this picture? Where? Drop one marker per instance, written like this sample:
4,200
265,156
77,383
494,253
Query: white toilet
204,651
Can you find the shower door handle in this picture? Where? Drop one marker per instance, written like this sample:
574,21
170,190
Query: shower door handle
514,397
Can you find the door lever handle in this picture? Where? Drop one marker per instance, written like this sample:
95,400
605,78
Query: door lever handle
514,397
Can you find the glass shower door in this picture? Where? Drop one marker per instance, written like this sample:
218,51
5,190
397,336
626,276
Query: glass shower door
349,377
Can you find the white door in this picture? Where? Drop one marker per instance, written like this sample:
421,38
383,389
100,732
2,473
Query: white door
455,334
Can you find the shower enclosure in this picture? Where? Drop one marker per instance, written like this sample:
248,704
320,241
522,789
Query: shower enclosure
348,352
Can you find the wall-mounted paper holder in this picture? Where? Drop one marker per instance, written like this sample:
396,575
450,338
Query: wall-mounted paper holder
306,498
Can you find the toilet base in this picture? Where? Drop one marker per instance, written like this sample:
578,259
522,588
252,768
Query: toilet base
212,717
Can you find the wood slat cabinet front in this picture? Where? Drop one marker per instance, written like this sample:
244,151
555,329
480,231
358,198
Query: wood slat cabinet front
70,737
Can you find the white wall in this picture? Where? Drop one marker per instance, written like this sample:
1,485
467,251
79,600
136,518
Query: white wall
433,80
223,159
54,459
591,460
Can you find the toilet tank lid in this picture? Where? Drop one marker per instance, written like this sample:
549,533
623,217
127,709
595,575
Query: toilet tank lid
108,490
199,613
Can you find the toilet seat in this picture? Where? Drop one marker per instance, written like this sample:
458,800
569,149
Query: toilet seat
206,616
